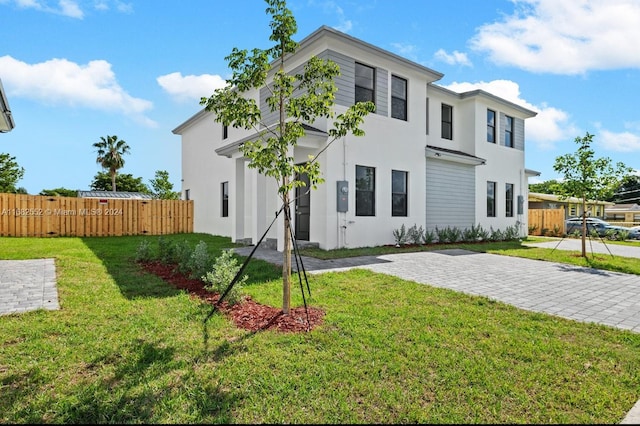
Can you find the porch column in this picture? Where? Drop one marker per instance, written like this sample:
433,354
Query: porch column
238,205
258,206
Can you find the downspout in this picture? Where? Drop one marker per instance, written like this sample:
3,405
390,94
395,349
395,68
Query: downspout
342,228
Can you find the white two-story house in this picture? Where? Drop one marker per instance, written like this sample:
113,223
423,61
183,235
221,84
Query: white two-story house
430,157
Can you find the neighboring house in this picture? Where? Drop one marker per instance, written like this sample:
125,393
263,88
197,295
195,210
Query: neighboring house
430,157
6,119
572,206
122,195
627,213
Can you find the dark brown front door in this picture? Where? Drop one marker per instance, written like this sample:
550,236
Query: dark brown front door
303,209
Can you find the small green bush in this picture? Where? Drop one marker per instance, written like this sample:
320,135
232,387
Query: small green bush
224,270
144,253
199,262
400,235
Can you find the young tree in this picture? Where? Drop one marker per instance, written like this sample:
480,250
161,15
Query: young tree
125,181
587,177
110,155
298,99
10,173
162,188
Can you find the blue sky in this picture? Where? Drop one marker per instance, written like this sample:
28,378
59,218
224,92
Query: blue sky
76,70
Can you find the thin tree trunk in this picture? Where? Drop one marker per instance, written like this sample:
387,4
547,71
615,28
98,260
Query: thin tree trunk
286,264
584,227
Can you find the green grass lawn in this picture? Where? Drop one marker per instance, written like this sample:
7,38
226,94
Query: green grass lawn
125,347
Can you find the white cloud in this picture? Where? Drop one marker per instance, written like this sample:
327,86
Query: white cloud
549,126
70,8
60,81
565,37
190,87
331,8
618,142
453,58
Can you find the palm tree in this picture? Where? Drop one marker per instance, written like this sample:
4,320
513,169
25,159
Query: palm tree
110,152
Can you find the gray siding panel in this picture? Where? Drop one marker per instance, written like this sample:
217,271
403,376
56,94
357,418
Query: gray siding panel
382,92
450,194
518,134
345,82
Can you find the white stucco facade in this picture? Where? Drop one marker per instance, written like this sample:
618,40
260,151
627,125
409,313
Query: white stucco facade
447,178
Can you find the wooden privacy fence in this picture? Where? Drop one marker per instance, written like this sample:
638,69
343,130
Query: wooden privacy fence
546,222
43,216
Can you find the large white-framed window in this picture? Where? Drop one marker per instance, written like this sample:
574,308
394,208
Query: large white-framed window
508,199
365,83
399,181
447,122
491,199
365,191
398,98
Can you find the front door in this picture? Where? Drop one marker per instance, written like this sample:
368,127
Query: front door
303,209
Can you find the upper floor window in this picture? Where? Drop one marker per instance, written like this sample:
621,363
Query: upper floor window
398,193
508,131
447,122
365,83
224,192
491,199
398,98
491,126
225,132
508,198
365,191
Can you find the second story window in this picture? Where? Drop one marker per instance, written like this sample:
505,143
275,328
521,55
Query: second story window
491,126
508,131
447,122
365,87
225,132
398,98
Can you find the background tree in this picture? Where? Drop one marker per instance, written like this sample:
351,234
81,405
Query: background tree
125,181
587,177
628,190
162,188
110,155
10,173
59,192
300,98
548,187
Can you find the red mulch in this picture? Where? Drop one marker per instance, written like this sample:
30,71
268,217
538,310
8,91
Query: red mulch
246,314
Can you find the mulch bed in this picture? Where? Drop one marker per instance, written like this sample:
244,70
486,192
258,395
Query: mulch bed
247,314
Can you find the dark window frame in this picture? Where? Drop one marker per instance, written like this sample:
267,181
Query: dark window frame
491,198
508,131
360,89
399,104
365,191
224,199
399,196
447,122
225,132
491,126
509,199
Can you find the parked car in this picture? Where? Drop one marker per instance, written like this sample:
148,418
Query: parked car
573,226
